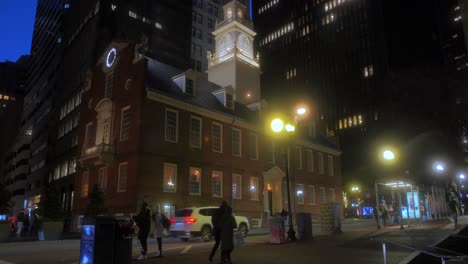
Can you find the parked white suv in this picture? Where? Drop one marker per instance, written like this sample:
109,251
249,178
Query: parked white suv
196,221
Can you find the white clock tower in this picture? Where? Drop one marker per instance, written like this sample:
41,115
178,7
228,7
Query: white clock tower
234,64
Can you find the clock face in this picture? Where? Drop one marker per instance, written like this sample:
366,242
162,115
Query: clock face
229,13
111,56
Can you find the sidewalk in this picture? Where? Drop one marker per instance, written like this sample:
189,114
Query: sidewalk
348,247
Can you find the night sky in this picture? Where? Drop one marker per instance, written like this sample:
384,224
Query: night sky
16,26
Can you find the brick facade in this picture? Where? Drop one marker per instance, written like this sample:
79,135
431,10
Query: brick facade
147,151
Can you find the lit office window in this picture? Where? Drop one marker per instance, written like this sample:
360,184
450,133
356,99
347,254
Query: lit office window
195,181
300,194
170,177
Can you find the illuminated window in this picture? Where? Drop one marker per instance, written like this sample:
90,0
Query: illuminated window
236,142
360,119
300,193
237,186
366,72
217,137
85,184
170,177
195,132
64,169
345,123
311,194
350,122
122,177
132,14
254,188
195,181
340,124
72,166
217,184
171,125
355,120
125,123
6,97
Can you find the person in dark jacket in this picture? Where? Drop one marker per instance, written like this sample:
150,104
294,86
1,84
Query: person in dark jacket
227,235
216,222
143,221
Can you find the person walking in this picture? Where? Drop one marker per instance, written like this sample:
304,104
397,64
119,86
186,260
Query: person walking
454,204
32,223
216,222
19,224
143,221
159,219
384,211
227,235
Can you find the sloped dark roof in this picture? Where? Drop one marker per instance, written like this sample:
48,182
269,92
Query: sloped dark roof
159,79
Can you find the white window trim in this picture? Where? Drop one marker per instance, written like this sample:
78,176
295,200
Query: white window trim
256,188
240,141
310,155
118,179
221,137
212,193
201,129
177,126
190,175
330,165
321,165
256,146
332,195
312,195
121,123
240,186
299,159
320,195
175,177
302,189
87,139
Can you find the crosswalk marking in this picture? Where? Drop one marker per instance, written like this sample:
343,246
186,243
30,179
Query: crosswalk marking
186,250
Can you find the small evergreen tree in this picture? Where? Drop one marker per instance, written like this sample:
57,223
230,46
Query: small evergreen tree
50,206
96,204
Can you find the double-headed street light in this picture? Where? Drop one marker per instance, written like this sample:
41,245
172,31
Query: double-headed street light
277,125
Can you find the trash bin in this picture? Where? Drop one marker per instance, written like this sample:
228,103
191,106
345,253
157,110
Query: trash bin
106,240
304,226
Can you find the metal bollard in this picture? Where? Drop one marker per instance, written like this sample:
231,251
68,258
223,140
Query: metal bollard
384,248
443,260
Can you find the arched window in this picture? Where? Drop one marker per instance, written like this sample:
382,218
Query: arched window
225,45
243,43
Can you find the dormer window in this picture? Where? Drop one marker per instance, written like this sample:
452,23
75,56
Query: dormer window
189,86
229,101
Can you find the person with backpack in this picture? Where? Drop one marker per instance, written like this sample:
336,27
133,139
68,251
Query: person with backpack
216,221
161,222
228,224
143,221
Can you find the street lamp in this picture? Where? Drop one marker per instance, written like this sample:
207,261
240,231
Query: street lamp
439,168
388,155
277,125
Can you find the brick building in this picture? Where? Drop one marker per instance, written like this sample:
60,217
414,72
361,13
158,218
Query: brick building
151,131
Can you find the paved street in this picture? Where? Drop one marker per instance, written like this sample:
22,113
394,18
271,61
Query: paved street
352,246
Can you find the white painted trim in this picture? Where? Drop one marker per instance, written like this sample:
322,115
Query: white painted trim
121,123
177,125
201,131
221,137
240,141
175,177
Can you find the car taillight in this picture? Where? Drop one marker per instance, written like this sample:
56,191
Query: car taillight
190,220
172,220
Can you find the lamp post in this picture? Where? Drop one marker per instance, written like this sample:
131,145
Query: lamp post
278,126
388,156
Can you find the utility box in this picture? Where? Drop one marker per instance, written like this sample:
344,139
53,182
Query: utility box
106,240
304,226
